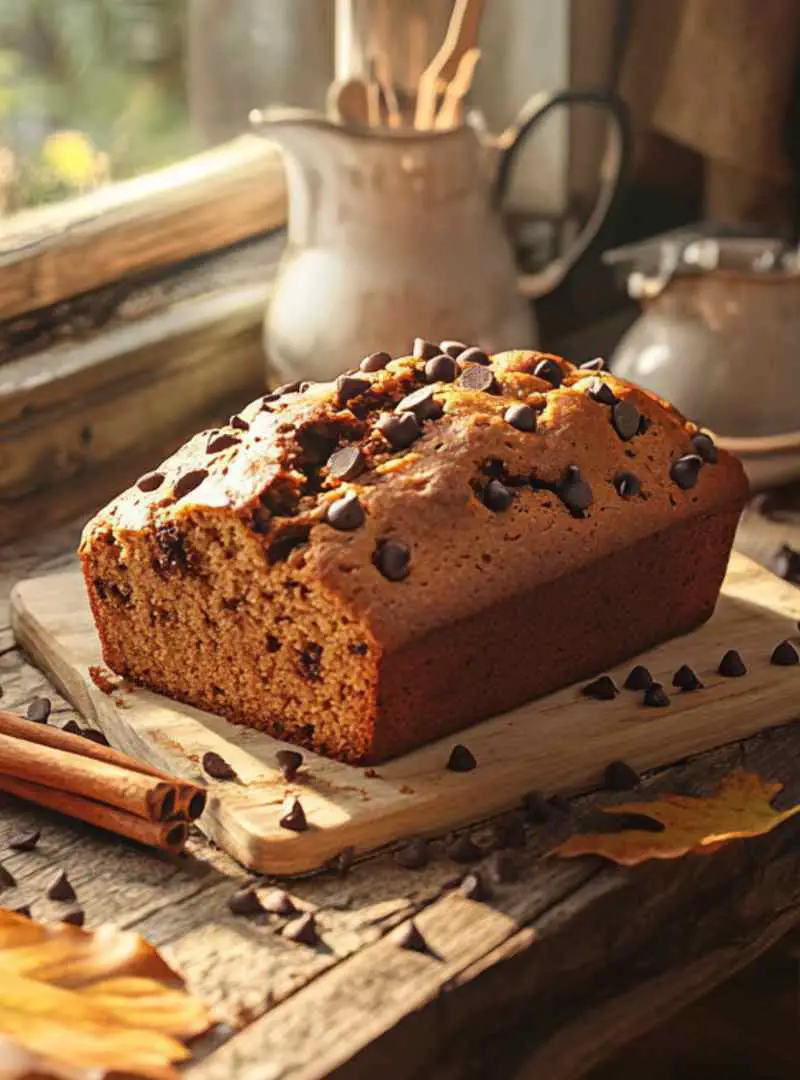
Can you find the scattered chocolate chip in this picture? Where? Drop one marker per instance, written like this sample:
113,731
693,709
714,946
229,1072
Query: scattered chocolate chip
60,888
627,484
785,655
75,917
593,365
22,909
413,855
424,350
602,689
731,665
7,879
509,831
346,514
503,867
341,863
522,417
645,423
461,759
347,463
188,482
358,648
421,403
453,348
392,559
399,430
441,368
278,902
685,471
601,392
473,887
497,497
655,697
408,936
625,418
217,767
686,680
786,564
72,728
39,710
289,761
620,776
639,678
25,841
222,441
245,902
477,378
302,930
550,372
150,481
95,736
289,388
239,423
473,355
463,849
293,816
376,361
574,492
536,807
705,448
349,387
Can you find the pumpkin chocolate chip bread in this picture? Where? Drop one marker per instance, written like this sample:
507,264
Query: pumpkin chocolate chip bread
362,566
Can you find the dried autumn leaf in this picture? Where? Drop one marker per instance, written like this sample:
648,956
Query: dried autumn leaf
77,1005
739,808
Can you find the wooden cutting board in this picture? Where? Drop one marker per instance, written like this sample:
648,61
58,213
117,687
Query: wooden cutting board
559,743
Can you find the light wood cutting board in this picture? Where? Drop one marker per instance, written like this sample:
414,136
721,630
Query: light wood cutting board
559,743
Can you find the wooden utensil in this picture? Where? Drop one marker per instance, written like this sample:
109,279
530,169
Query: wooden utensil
348,102
450,111
462,34
383,76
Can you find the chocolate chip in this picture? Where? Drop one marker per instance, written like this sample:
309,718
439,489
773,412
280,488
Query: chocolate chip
496,496
220,442
463,850
620,776
627,484
453,348
217,767
39,710
407,936
424,350
150,481
376,361
786,564
413,855
346,514
289,761
686,680
625,418
289,388
473,355
95,736
441,368
685,471
705,448
639,678
503,867
536,807
550,372
392,559
188,482
731,665
655,697
239,423
522,417
245,902
72,728
461,759
22,909
785,655
400,430
7,879
75,917
303,930
25,841
477,378
601,392
293,816
473,887
574,492
645,423
349,387
347,463
593,365
278,902
60,888
602,689
421,403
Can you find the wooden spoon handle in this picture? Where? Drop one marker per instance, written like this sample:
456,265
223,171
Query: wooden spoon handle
449,113
462,33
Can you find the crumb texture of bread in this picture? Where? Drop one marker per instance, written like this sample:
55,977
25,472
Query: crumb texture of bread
362,566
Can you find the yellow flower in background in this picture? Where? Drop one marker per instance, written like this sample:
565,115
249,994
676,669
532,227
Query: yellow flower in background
71,157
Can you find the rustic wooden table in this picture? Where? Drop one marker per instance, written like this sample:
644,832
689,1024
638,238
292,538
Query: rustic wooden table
549,977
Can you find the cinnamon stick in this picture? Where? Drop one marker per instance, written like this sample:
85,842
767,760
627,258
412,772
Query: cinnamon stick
166,835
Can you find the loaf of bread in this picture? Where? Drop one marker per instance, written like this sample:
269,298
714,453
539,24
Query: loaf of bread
362,566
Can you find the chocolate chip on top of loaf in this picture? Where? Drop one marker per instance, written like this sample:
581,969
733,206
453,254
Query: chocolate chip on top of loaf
364,565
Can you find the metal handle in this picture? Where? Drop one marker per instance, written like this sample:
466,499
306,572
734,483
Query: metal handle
611,171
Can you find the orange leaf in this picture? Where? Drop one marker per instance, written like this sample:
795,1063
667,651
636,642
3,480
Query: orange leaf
77,1005
699,825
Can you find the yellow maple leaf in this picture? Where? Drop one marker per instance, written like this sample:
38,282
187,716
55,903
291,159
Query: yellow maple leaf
76,1004
739,808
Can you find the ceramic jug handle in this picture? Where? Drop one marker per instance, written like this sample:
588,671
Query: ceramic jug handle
611,170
